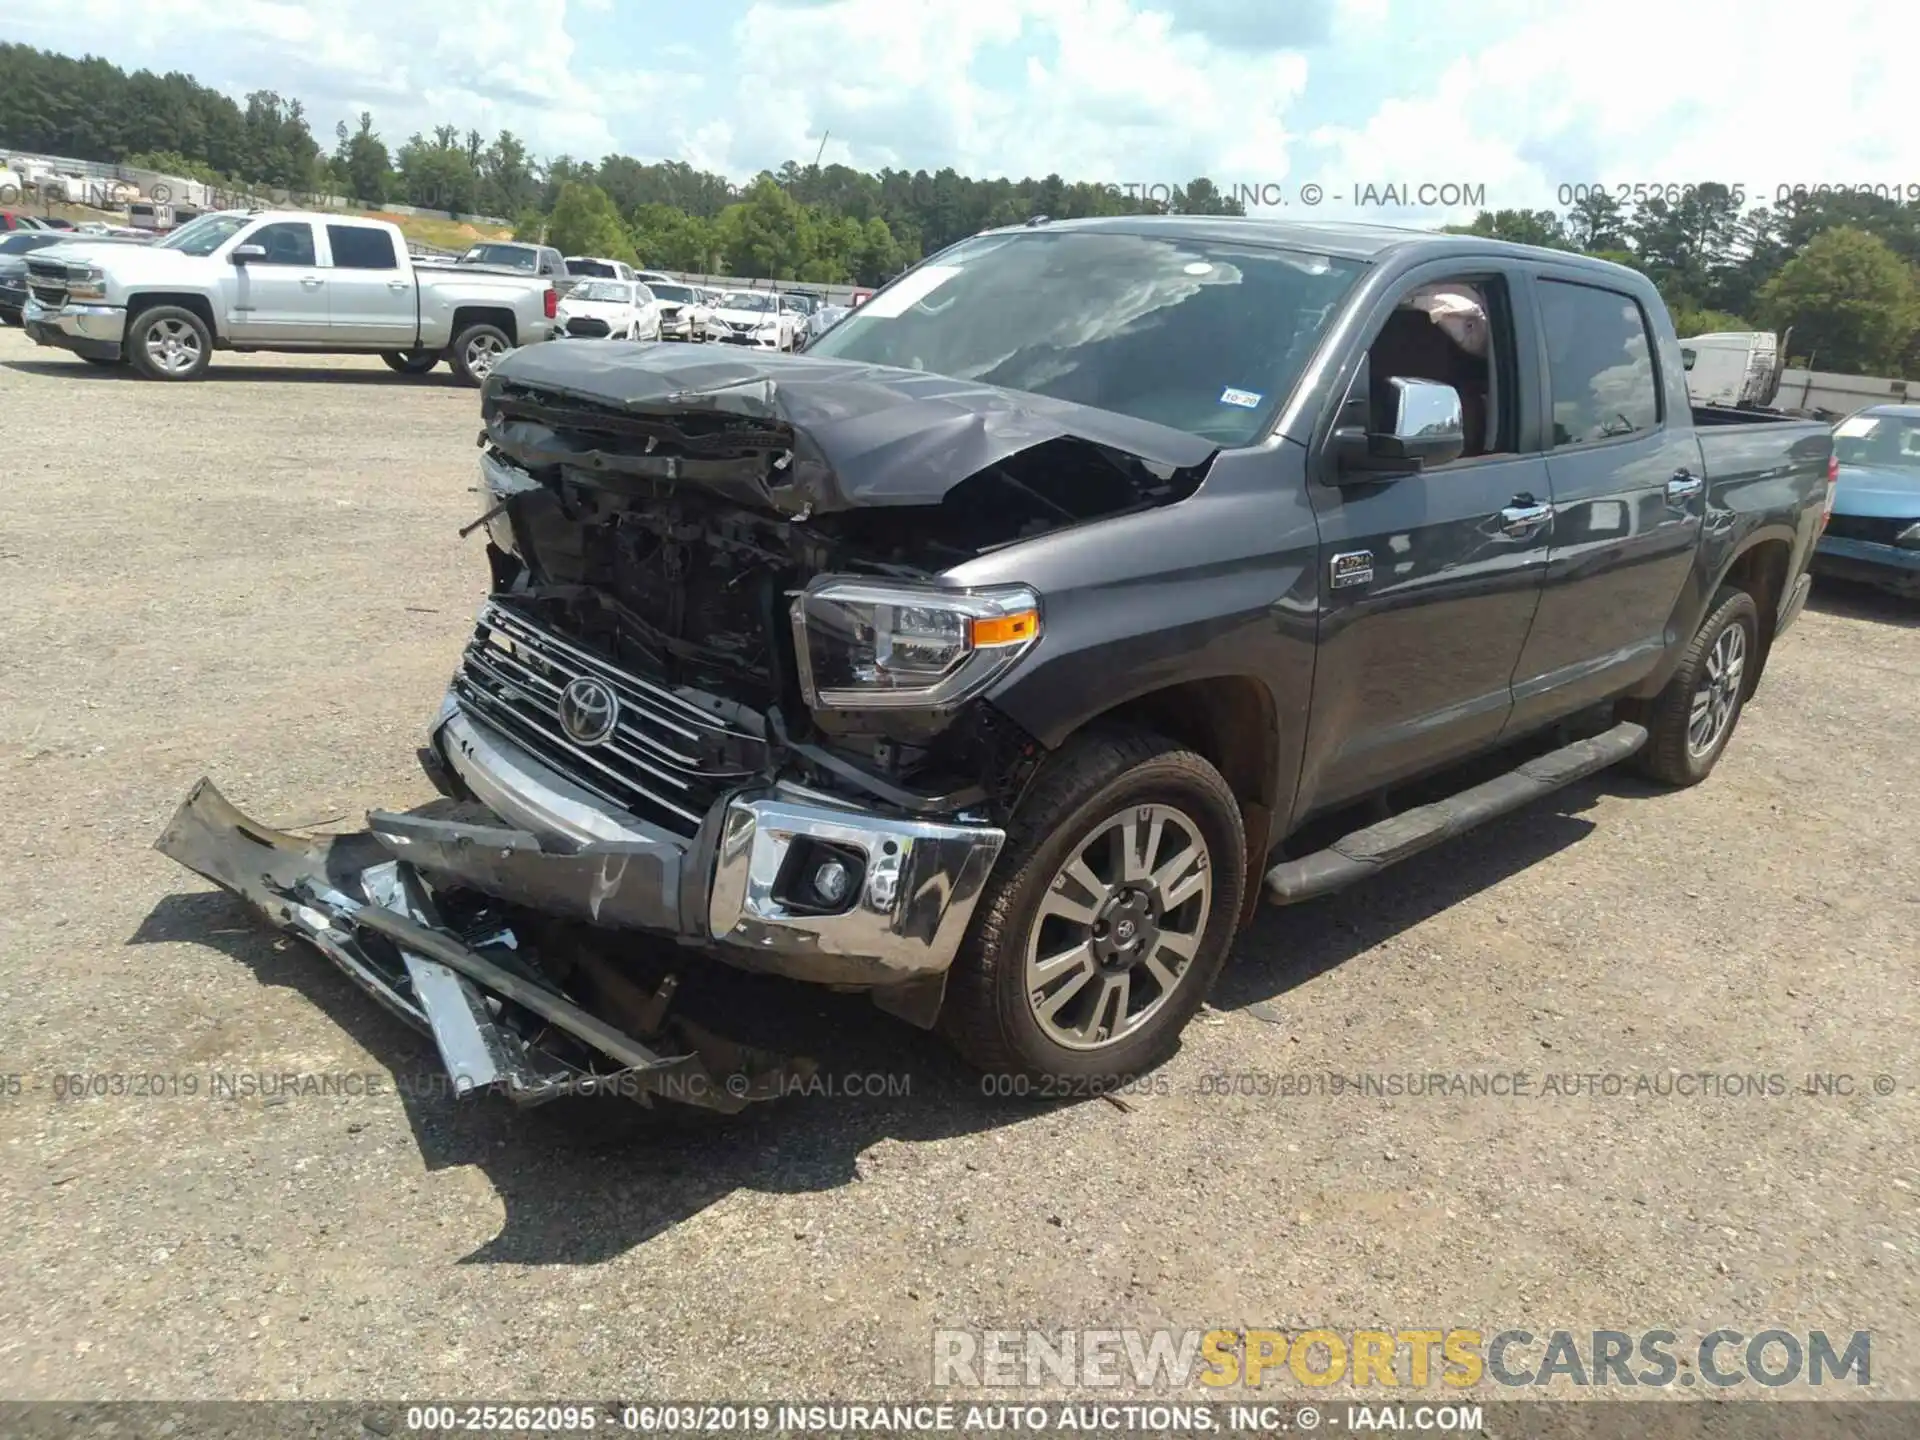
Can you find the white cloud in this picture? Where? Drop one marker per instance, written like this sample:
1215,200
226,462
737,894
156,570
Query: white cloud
1516,96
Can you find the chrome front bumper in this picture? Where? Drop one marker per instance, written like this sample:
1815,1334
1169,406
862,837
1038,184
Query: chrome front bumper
731,887
86,329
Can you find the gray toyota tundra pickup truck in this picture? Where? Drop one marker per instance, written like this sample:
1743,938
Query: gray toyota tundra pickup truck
997,655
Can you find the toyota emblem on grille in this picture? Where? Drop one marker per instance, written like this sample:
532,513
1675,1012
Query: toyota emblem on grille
588,710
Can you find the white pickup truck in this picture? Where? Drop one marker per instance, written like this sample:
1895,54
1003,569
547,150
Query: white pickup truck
278,280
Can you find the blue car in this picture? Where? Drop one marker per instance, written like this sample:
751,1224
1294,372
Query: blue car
1874,535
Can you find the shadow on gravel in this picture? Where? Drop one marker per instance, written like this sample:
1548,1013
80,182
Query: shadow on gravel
1288,946
1853,601
583,1180
77,368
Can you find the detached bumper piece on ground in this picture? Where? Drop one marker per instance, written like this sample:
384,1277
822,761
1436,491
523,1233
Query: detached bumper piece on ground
461,967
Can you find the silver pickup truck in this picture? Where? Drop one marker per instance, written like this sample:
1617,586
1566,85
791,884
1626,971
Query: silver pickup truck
278,280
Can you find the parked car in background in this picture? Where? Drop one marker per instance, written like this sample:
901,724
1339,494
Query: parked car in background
14,249
609,310
824,319
756,318
517,258
648,277
11,220
684,313
55,222
1873,535
278,280
594,267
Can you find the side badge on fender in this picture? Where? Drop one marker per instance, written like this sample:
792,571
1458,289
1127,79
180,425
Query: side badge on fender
1352,567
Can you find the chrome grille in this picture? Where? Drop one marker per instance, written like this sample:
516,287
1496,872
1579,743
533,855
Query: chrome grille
47,279
668,759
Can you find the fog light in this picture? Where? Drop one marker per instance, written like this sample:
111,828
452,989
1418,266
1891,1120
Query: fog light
831,882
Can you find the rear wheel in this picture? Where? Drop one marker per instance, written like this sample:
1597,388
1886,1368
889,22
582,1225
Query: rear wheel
411,362
1109,914
476,350
167,342
1690,721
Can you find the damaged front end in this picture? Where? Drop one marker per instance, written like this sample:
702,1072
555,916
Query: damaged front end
719,695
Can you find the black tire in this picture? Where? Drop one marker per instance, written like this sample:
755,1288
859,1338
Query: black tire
148,333
475,351
410,362
1671,755
988,1015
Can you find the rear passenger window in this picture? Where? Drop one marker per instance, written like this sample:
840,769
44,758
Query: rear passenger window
361,247
1600,360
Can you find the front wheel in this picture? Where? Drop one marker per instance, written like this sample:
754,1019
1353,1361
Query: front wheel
476,350
1690,721
169,342
1107,918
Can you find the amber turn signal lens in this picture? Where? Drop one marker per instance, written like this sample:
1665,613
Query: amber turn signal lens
1005,629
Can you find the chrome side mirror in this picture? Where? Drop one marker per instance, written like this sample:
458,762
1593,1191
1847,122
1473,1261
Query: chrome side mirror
1429,428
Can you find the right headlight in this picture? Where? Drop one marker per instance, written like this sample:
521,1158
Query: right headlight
874,644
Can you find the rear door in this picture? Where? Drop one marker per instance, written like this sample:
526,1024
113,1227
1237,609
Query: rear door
1628,492
280,298
371,298
1428,582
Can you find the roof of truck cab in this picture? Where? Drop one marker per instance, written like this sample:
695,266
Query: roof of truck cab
1346,239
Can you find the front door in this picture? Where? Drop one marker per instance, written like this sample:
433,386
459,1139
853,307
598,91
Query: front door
371,300
1428,582
1629,494
282,297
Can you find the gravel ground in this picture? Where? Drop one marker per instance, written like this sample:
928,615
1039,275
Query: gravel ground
258,578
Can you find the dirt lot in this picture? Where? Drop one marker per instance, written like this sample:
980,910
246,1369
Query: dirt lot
257,577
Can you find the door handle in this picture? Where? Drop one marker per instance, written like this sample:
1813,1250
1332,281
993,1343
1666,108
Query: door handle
1682,487
1524,517
311,282
396,284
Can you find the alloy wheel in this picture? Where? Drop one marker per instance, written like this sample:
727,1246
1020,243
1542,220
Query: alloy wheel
1119,927
1718,693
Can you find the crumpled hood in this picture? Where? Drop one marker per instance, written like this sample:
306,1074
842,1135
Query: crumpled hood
851,434
1877,492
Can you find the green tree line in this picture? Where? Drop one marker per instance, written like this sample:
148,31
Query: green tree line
1842,271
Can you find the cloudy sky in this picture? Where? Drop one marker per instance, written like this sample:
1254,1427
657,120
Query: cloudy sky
1517,97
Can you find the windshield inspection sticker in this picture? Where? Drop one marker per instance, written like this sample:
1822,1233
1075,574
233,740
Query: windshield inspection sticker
1245,399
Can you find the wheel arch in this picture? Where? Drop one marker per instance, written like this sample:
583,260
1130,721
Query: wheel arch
138,304
1231,721
467,315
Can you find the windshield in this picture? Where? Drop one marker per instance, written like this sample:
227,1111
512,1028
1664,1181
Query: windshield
746,300
514,257
672,292
1886,441
31,240
591,267
1207,337
617,291
205,235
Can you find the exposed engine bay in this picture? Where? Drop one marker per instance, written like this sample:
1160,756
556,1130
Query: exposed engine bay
672,544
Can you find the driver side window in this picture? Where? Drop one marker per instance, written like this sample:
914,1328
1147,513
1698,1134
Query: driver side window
1455,332
287,242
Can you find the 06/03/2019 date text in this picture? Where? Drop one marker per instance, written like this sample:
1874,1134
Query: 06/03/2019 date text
1673,192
